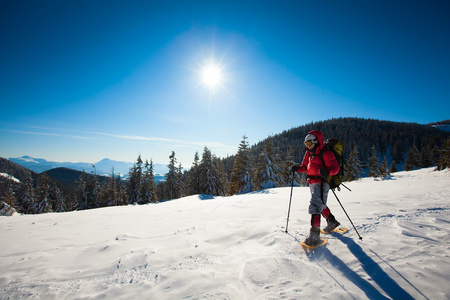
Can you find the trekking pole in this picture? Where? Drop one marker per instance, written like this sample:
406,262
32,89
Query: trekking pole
290,200
360,237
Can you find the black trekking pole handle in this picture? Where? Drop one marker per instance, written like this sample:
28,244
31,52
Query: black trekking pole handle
290,200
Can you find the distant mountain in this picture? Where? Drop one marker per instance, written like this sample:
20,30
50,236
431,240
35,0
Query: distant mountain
103,167
20,173
70,176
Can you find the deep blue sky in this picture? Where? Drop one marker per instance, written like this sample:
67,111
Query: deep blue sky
85,80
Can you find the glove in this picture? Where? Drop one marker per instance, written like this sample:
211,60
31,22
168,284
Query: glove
295,168
324,173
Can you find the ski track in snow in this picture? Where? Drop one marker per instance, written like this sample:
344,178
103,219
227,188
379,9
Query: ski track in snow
236,247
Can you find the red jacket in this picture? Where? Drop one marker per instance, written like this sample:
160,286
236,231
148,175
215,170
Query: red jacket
312,162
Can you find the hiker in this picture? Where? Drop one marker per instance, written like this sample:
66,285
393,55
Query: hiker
316,174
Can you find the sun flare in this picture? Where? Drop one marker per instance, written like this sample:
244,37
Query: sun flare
211,76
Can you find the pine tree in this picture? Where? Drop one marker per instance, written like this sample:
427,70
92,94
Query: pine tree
354,168
412,159
42,203
173,184
109,195
122,194
136,181
427,155
148,187
397,153
93,190
384,168
242,174
288,174
220,166
151,180
393,167
59,201
194,177
81,195
26,194
374,164
268,174
182,187
10,195
444,159
210,183
282,172
160,190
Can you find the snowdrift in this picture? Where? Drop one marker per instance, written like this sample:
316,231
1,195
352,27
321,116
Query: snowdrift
236,247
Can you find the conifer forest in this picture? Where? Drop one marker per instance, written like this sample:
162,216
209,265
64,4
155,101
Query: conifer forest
372,148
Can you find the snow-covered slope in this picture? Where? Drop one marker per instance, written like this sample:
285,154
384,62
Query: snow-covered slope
236,247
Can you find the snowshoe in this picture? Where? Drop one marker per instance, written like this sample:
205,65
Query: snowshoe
332,223
313,239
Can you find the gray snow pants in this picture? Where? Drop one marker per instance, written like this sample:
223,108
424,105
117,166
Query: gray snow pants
316,205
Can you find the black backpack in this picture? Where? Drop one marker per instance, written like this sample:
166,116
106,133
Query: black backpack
337,147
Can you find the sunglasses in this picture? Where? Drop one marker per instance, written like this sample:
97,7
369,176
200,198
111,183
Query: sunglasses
309,143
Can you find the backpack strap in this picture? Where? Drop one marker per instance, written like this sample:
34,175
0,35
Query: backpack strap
322,179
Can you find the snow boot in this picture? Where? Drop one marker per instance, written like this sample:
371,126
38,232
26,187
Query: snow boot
332,224
313,238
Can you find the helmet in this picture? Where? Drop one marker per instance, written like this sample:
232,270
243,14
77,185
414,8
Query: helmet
310,138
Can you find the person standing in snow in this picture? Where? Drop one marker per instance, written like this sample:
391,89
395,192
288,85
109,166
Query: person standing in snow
317,170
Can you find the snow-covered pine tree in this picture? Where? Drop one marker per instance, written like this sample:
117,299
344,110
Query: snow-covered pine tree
122,194
10,196
145,186
282,172
42,203
193,185
384,171
93,190
288,163
242,174
135,176
181,180
81,194
374,164
173,184
161,190
268,174
108,196
220,166
26,194
354,167
152,183
210,183
59,203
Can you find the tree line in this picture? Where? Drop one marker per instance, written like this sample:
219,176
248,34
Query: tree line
253,168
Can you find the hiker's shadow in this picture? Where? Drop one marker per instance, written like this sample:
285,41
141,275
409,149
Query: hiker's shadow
372,269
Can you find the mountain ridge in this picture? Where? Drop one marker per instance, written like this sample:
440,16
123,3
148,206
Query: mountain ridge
102,167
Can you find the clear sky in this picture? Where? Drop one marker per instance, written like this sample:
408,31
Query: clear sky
85,80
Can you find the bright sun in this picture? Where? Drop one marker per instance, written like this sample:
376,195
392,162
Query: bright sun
211,76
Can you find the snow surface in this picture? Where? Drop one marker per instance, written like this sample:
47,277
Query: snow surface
10,177
236,247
